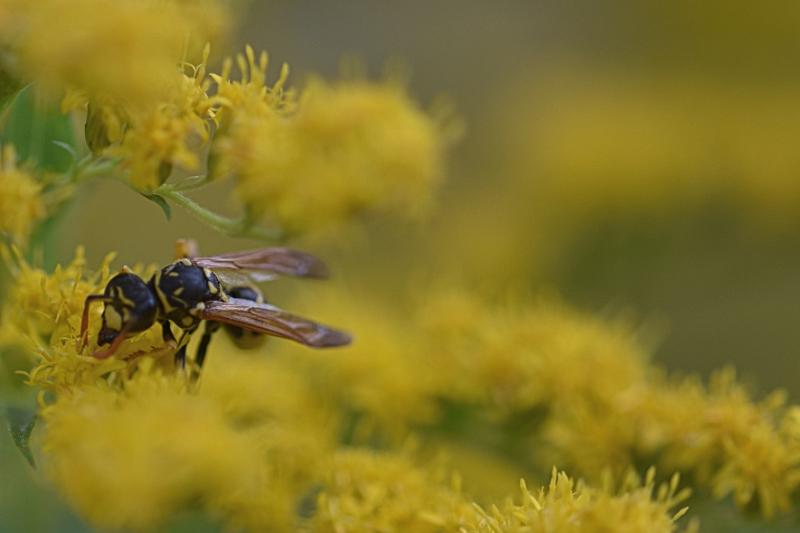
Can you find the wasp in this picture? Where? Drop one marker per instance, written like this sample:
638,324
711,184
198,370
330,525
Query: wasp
189,291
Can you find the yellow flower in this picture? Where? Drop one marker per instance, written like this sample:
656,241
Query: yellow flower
245,447
371,491
383,379
517,358
245,105
347,148
569,507
129,459
170,134
735,445
124,50
47,308
251,98
731,444
21,204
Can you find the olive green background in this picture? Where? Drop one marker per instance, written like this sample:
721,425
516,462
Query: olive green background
715,290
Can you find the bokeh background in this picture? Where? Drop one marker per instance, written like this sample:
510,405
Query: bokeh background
629,157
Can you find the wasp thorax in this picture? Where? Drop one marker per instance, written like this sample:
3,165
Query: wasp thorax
183,289
131,306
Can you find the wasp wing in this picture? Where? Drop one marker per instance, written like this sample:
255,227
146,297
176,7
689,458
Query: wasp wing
268,319
265,263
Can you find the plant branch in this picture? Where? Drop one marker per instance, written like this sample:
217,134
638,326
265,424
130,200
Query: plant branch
239,227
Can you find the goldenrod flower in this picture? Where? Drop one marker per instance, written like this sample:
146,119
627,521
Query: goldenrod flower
172,133
125,50
518,358
46,308
21,204
129,459
384,379
371,491
246,105
347,148
251,97
247,446
569,507
731,444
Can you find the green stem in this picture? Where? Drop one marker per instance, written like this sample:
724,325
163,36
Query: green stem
234,227
187,184
91,168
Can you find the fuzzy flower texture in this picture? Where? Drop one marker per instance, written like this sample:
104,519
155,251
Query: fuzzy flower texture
253,442
301,160
416,426
257,444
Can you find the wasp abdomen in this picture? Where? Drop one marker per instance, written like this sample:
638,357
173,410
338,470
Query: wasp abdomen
244,338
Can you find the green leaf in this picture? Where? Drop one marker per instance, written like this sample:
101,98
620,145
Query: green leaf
20,423
161,202
67,148
9,87
34,126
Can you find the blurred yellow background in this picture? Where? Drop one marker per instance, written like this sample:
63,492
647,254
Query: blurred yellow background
629,156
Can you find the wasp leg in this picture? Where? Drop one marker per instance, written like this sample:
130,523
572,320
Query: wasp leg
84,336
205,340
180,355
166,334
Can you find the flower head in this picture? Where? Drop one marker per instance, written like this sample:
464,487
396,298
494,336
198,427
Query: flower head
169,134
567,506
21,204
104,52
344,149
245,447
46,309
370,491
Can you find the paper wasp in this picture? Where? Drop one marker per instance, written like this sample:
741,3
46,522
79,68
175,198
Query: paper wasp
189,291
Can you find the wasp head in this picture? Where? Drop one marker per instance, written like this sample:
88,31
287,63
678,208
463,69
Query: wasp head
130,306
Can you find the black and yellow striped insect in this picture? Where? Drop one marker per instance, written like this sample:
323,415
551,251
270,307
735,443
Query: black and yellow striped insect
189,291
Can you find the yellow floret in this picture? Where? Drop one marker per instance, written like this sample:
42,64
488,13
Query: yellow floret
21,204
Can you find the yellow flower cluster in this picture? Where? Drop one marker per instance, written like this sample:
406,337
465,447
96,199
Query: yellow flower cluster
251,442
729,443
45,310
350,148
570,507
581,390
606,406
246,446
120,49
384,380
169,134
132,457
371,491
515,359
337,151
21,204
